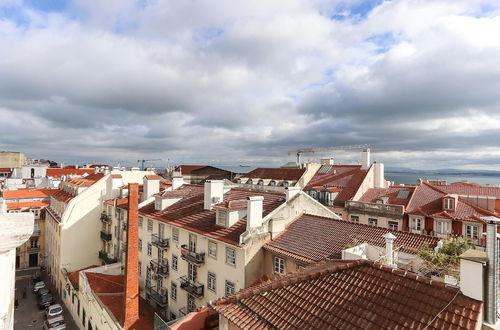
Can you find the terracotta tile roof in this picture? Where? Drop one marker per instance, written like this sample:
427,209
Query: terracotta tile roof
190,214
74,276
63,196
232,205
5,170
28,193
58,172
120,202
187,169
116,176
85,181
357,295
109,289
470,189
27,205
331,236
153,177
348,178
392,193
288,174
427,201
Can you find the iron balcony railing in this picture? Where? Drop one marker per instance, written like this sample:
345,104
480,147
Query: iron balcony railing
105,235
159,296
105,217
160,266
103,255
160,242
192,256
193,287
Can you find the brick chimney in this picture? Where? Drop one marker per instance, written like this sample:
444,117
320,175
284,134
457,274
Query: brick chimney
131,294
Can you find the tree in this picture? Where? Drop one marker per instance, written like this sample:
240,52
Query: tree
445,260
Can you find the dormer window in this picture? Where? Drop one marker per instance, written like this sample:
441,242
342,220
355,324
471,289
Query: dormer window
449,204
272,183
285,184
261,182
250,181
221,218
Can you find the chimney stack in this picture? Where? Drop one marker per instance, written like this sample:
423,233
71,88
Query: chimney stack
255,207
365,159
131,294
177,181
290,192
389,251
491,306
213,193
151,184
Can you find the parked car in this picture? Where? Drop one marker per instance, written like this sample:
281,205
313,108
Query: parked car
43,291
55,323
53,311
45,301
38,286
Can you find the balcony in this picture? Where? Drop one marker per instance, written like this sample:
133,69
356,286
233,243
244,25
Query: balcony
160,266
103,255
33,248
36,233
105,218
386,210
192,287
106,236
160,242
159,296
192,256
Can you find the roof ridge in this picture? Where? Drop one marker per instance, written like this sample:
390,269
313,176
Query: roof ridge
329,177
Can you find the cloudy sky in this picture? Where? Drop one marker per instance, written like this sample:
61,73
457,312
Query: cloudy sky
243,82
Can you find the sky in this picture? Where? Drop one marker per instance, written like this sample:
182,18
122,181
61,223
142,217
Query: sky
244,82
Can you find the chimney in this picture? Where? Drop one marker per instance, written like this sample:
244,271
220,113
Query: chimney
491,302
177,181
131,294
290,192
365,159
472,280
327,161
389,251
379,175
106,170
254,211
151,184
213,194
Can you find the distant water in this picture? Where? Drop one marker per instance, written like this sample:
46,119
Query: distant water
411,178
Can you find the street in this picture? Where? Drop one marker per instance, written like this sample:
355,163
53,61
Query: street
27,315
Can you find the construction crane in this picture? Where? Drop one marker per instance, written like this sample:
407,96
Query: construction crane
299,152
142,161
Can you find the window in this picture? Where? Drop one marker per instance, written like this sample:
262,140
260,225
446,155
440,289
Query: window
230,256
33,243
355,218
212,249
175,234
150,225
373,222
191,307
448,204
472,231
83,317
150,248
416,224
279,265
140,268
221,218
140,222
211,282
393,225
442,227
140,244
173,291
192,271
229,288
174,262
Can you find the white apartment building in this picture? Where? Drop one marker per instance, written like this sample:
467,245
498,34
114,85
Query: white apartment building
199,243
72,221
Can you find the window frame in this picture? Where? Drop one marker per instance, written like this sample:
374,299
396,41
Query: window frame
279,265
150,249
227,284
390,224
228,257
213,243
175,262
352,217
371,220
175,234
211,279
150,225
173,291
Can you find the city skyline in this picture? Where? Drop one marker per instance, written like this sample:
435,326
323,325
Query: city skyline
215,82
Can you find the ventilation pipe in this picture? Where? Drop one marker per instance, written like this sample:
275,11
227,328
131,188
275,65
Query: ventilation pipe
365,159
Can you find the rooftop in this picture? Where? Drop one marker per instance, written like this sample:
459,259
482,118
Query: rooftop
288,174
27,205
331,236
58,172
396,195
190,214
357,295
346,177
28,193
187,169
